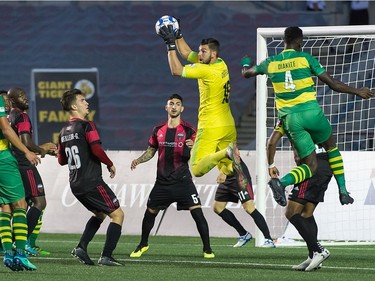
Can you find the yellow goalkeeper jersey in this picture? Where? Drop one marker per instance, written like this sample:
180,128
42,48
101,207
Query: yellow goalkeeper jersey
214,92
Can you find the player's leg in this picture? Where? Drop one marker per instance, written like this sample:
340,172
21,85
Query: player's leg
34,236
6,235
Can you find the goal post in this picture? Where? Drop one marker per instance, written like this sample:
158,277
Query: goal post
348,54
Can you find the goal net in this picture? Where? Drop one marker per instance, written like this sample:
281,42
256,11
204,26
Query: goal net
348,54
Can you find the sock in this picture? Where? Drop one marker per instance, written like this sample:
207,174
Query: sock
112,237
20,230
202,227
231,219
314,230
34,235
337,166
32,217
303,229
91,228
208,162
6,232
261,223
147,224
296,175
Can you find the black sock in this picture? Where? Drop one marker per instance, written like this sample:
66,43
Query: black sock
202,226
302,225
231,219
147,224
314,230
112,237
32,217
91,228
261,223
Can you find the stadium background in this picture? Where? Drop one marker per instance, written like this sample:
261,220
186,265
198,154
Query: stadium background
119,39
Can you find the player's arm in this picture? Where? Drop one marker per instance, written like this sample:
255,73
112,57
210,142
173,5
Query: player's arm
183,48
341,87
248,70
28,142
271,151
174,63
98,151
9,133
146,156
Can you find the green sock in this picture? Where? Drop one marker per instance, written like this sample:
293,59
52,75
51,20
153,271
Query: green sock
34,235
337,166
297,175
20,229
6,231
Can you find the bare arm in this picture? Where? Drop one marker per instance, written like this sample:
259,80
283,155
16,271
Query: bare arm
341,87
183,48
146,156
28,142
248,72
174,63
14,140
271,151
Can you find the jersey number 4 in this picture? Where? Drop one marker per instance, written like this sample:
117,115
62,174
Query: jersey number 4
74,161
289,83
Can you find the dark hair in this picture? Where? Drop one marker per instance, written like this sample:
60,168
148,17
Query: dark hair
212,43
3,92
69,97
175,96
292,33
14,93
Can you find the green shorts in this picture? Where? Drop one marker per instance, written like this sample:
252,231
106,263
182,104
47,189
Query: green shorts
11,186
305,129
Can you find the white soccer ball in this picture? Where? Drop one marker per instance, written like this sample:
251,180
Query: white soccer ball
165,21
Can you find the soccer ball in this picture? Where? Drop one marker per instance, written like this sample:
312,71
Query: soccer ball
165,21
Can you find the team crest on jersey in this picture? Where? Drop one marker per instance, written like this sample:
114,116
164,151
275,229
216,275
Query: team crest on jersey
40,188
180,136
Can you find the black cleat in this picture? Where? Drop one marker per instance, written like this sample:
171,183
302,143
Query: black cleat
108,261
82,256
346,199
278,191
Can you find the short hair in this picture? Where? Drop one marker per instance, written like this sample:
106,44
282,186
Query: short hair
212,43
69,97
175,96
292,33
13,93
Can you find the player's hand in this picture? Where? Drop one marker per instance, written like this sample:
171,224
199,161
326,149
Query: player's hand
179,32
189,143
273,172
221,178
365,93
166,32
134,164
50,148
112,171
33,158
246,61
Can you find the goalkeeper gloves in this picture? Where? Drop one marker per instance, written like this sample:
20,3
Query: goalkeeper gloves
246,61
166,32
179,32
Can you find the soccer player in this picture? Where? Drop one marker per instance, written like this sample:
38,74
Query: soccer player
12,197
216,135
303,200
173,140
291,75
32,182
229,191
79,147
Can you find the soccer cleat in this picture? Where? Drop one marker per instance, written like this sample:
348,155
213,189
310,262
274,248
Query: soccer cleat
108,261
234,155
242,240
303,265
82,256
278,191
346,199
208,254
268,243
41,251
29,250
139,251
22,261
317,259
8,262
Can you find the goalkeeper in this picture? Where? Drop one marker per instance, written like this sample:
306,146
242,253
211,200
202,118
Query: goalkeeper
304,122
216,132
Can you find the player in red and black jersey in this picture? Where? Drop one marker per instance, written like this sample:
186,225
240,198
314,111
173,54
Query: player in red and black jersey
173,140
33,184
79,147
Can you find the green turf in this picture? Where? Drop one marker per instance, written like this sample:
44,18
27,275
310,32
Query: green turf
181,258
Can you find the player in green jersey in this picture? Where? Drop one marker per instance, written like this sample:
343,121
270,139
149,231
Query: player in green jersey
291,74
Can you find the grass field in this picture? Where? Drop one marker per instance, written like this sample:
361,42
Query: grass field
180,258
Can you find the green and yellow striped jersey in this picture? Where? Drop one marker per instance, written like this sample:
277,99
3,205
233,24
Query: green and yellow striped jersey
291,75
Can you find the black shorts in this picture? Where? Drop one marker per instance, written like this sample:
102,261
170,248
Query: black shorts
32,182
313,189
229,191
99,199
184,193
